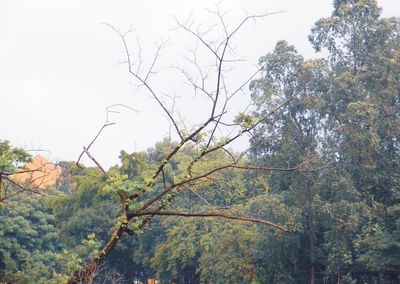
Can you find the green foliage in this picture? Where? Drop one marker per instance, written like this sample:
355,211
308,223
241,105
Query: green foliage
180,251
227,253
341,115
379,246
245,120
120,184
79,212
11,157
29,243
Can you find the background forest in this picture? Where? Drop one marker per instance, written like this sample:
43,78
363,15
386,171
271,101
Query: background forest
342,116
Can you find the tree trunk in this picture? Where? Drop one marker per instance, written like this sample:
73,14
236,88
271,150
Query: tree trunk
311,232
339,279
87,273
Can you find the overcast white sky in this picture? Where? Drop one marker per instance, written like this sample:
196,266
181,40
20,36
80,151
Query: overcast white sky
59,67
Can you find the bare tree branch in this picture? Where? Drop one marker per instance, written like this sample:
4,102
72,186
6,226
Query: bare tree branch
106,124
154,203
199,37
213,214
143,81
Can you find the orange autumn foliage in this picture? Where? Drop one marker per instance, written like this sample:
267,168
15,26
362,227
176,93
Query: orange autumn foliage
38,173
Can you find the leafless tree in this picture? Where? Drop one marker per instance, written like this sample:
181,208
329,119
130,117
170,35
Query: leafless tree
211,83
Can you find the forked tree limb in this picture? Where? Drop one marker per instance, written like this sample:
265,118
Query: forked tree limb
85,149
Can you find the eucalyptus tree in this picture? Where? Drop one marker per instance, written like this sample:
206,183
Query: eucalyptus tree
294,135
346,115
363,100
362,107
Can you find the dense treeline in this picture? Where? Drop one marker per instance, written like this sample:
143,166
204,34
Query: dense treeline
342,115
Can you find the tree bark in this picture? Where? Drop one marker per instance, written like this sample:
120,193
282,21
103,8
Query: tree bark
87,273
